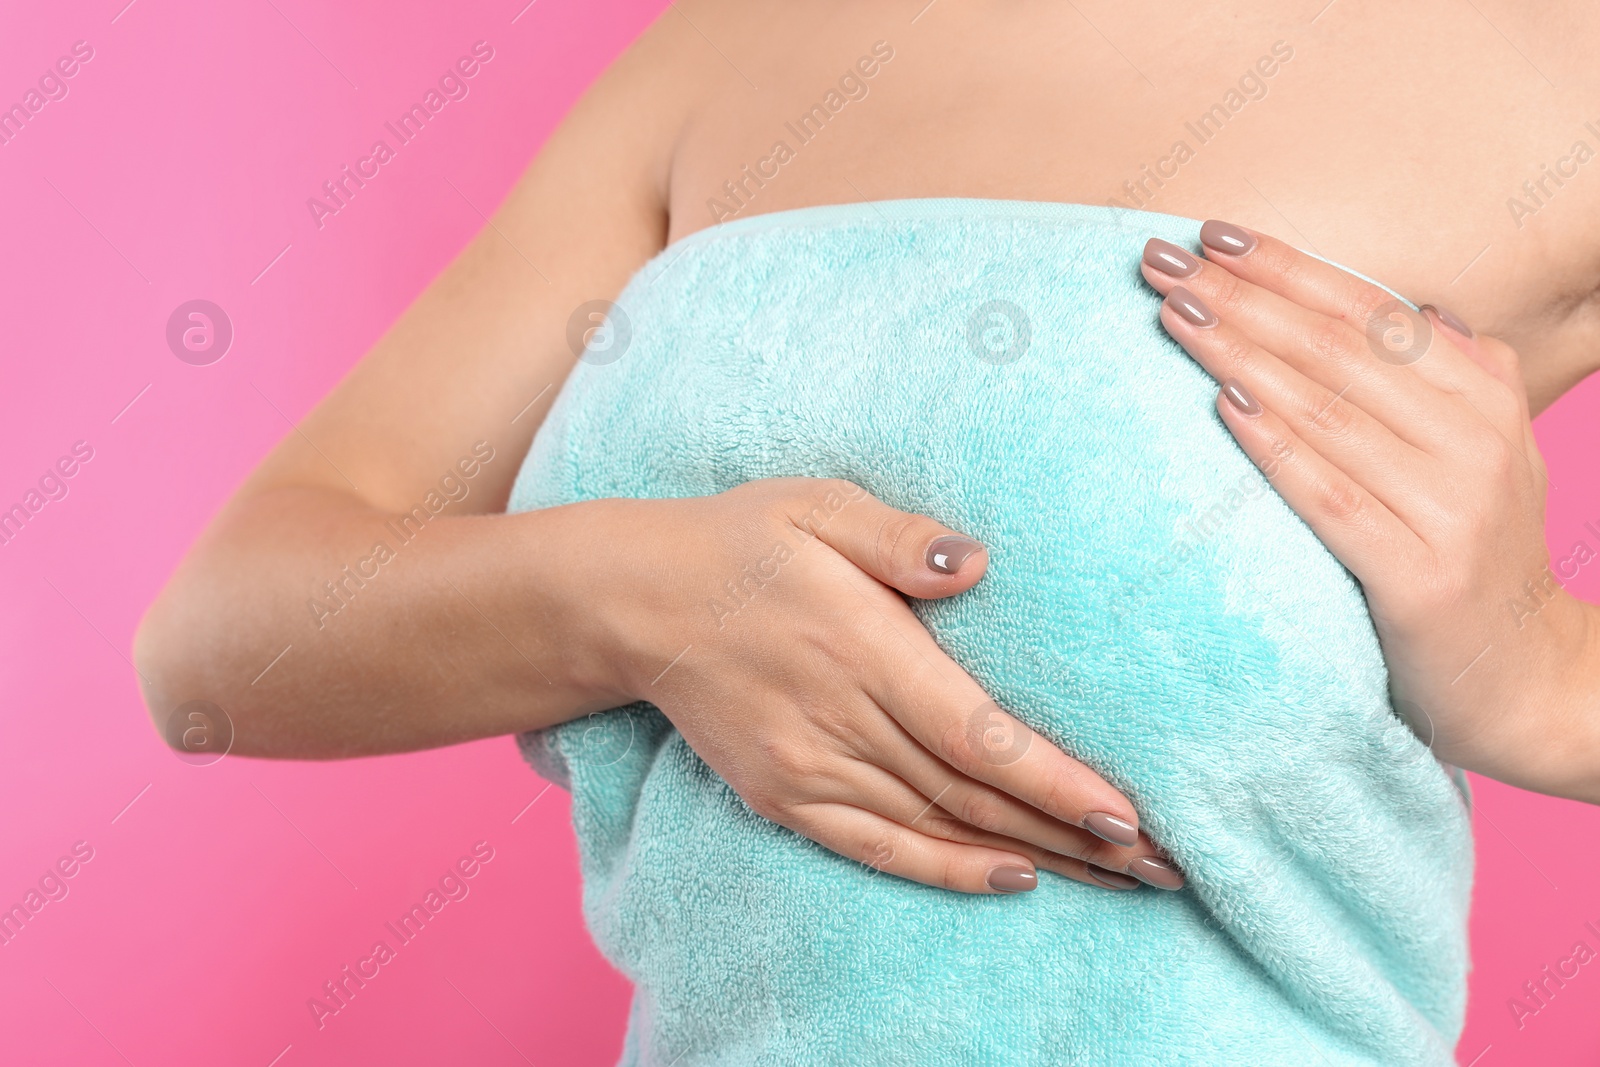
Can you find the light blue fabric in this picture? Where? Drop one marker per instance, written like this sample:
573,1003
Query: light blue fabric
1151,605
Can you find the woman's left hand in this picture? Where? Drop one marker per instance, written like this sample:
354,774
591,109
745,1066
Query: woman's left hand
1403,440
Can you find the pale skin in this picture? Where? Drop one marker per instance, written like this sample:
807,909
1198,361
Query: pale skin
829,708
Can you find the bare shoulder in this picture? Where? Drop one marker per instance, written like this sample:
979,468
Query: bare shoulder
474,363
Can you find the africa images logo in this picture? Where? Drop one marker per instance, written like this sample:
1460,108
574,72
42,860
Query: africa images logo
199,332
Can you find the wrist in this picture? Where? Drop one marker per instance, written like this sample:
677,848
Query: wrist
595,587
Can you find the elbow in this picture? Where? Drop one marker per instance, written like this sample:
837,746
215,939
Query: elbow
153,662
197,729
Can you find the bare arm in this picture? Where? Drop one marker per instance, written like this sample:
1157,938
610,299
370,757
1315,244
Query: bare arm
381,639
832,712
1419,469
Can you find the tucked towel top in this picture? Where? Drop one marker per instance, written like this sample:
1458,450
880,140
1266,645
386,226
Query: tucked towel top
1151,605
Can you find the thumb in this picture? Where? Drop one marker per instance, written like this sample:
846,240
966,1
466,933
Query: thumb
910,552
1496,357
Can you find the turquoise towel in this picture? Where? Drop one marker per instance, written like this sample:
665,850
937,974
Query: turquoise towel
1151,605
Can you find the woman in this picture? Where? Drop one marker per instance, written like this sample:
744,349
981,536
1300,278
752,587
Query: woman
851,724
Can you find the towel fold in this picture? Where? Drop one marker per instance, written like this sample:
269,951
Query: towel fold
1151,605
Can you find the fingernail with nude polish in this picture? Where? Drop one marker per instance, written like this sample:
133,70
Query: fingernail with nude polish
1112,879
1013,880
1449,319
1156,872
948,553
1169,259
1189,307
1240,398
1110,828
1226,238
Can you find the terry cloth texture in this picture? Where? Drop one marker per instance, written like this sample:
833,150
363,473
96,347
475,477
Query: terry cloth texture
1151,605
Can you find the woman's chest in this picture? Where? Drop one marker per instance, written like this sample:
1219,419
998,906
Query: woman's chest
1417,144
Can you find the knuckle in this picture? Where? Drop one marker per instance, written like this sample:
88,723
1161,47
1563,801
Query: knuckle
1328,341
982,809
1235,352
843,727
955,747
785,762
952,867
1060,800
1280,450
1366,303
1291,267
877,851
995,738
1340,500
939,823
895,533
1061,795
1332,417
1227,293
811,503
766,801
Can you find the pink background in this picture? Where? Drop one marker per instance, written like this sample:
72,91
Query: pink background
223,897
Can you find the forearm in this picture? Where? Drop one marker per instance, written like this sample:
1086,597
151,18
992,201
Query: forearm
325,628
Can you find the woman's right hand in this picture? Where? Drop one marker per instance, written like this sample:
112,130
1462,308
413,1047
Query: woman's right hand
765,623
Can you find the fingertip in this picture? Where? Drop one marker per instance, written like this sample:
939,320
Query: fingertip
1112,828
1227,238
1234,394
1449,320
956,556
1155,871
1112,879
1190,309
1013,878
948,552
1165,260
1160,281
